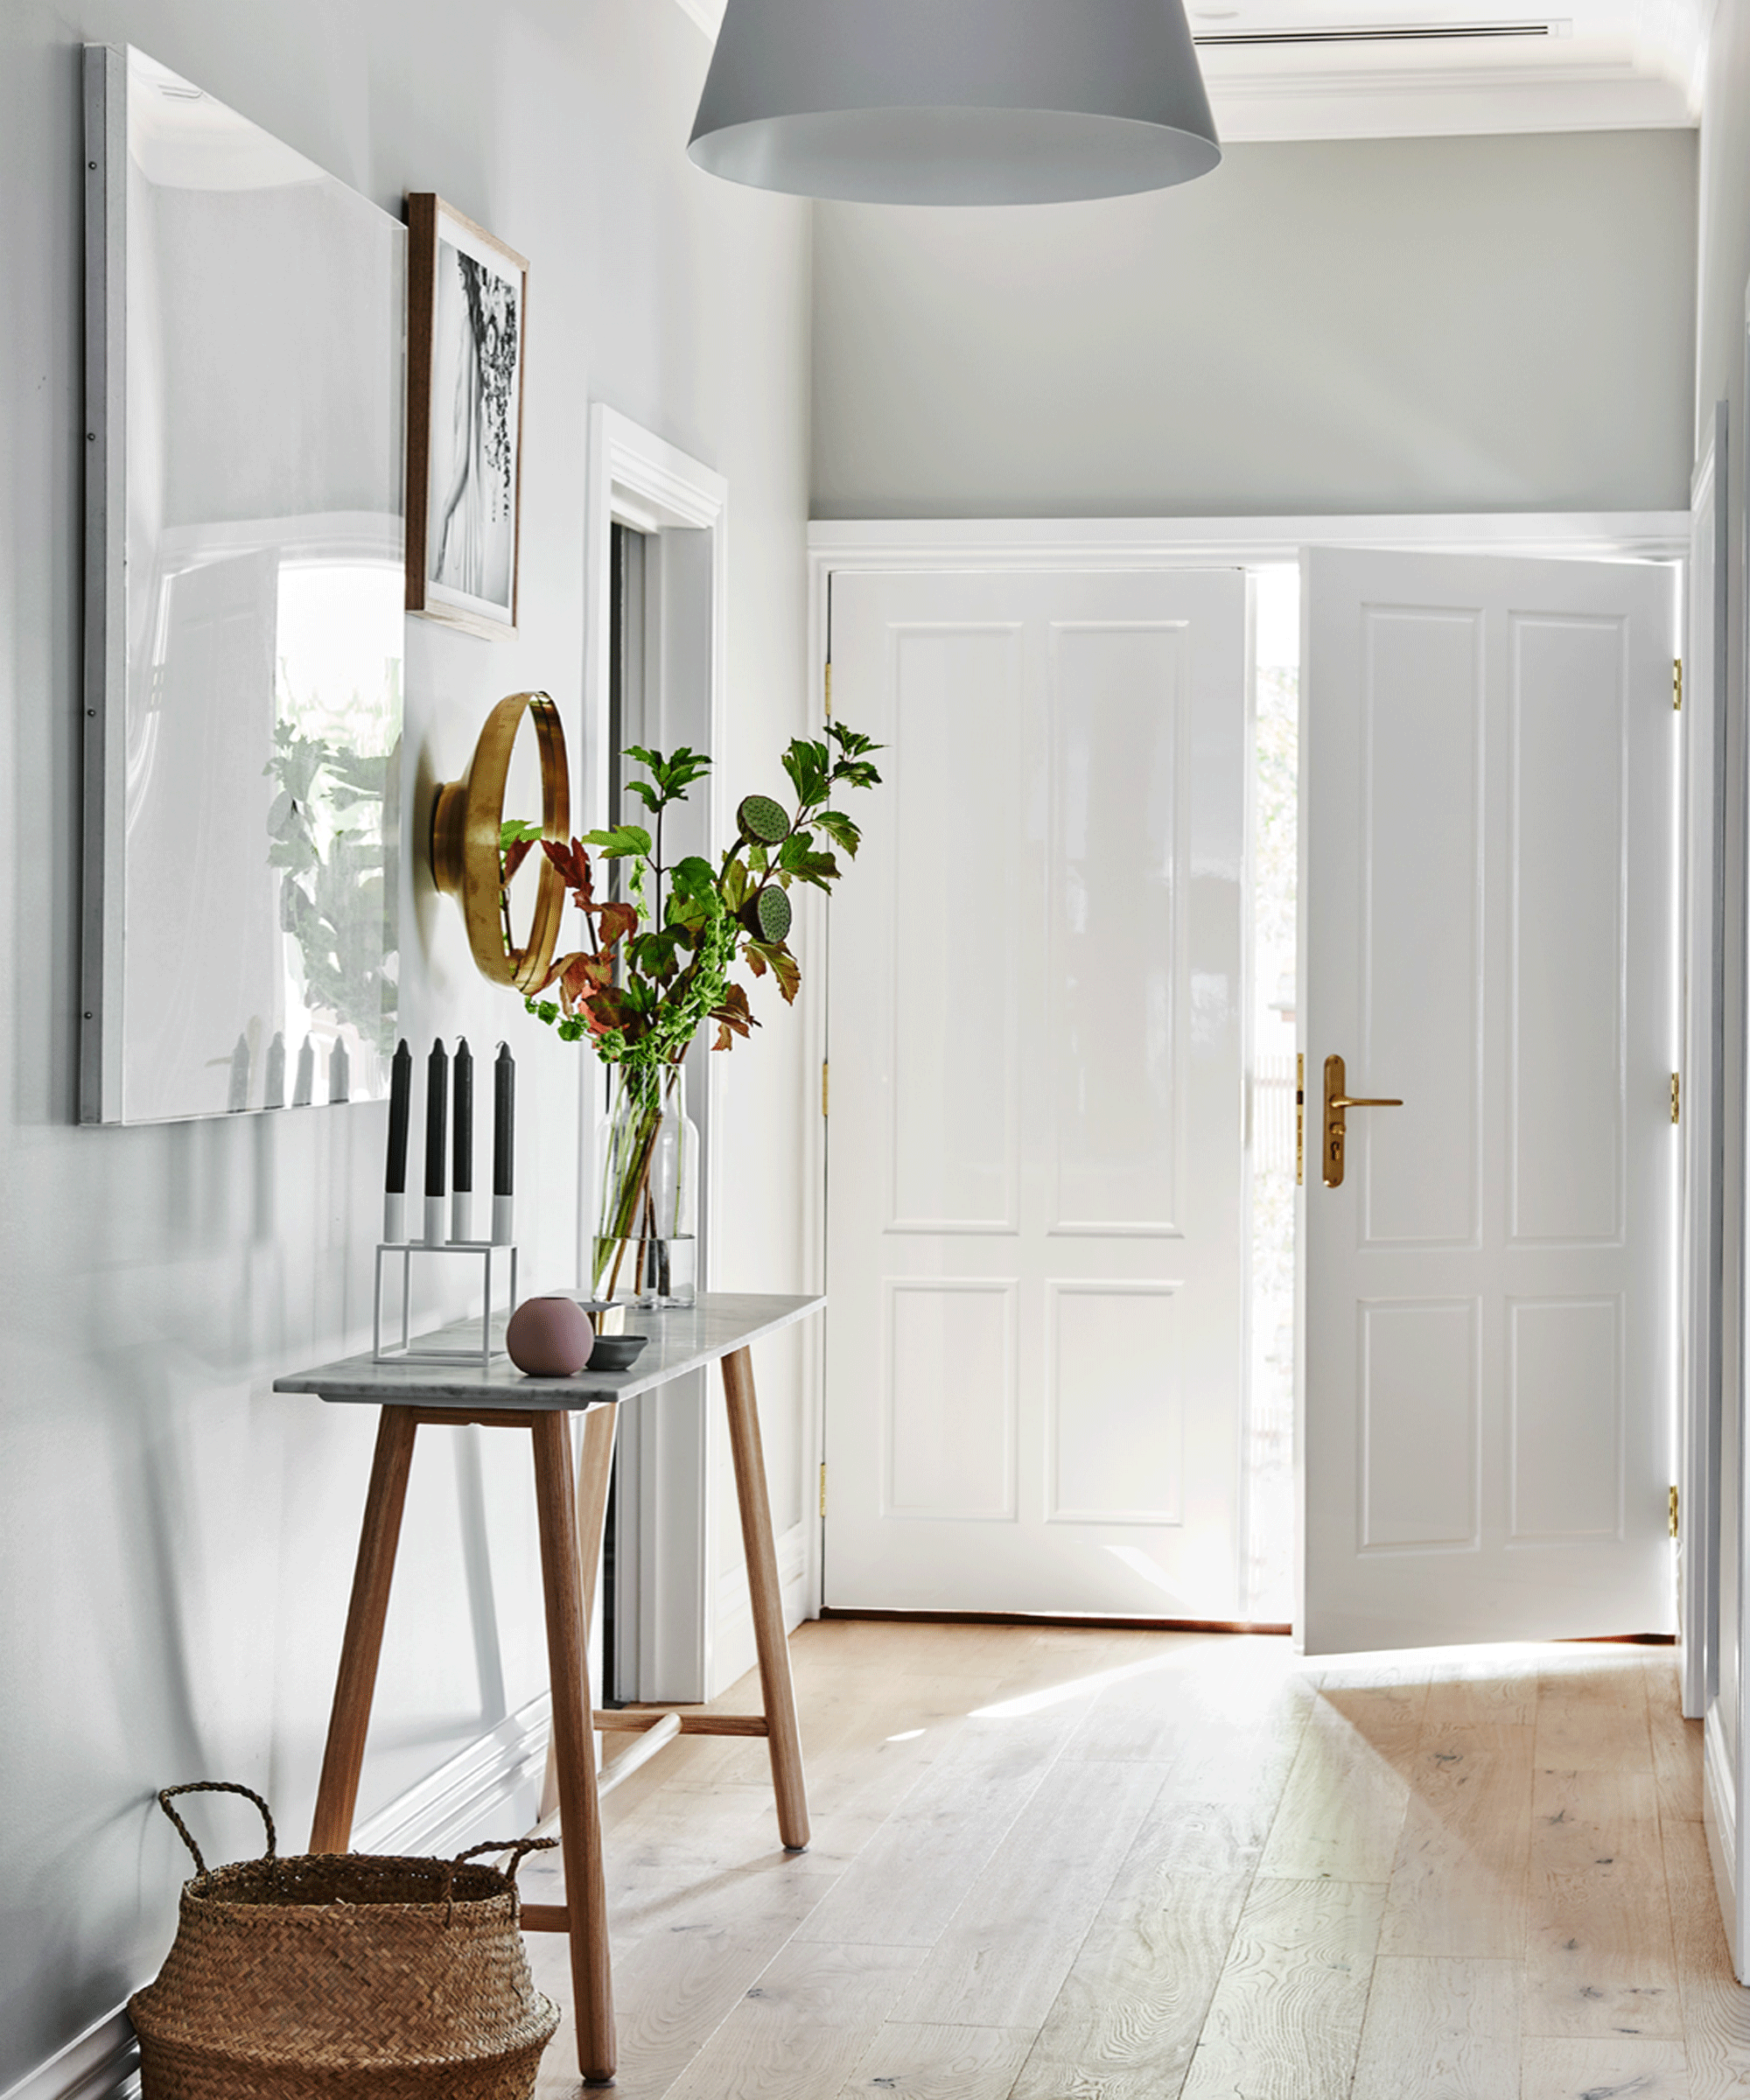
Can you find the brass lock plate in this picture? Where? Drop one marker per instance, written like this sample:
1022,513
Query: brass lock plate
1338,1102
1335,1127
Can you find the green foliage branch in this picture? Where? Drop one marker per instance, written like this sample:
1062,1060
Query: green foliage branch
659,962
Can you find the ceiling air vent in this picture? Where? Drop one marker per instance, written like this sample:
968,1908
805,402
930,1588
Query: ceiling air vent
1420,33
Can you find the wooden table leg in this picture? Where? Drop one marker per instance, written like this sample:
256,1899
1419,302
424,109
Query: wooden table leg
574,1747
350,1718
595,1474
778,1694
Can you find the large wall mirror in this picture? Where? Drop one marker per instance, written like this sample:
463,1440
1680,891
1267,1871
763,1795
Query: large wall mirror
244,613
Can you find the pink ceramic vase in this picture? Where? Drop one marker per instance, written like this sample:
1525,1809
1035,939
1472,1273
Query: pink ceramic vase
550,1337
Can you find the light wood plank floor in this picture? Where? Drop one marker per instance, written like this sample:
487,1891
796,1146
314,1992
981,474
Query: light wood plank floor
1062,1866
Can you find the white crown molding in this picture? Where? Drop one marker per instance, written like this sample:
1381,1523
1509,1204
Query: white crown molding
1563,86
1100,543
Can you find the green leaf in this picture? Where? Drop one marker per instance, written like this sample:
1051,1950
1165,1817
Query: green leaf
798,860
806,765
673,774
619,841
840,829
510,833
734,884
692,878
851,742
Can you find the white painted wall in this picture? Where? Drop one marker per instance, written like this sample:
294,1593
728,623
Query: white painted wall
1724,265
175,1542
1381,324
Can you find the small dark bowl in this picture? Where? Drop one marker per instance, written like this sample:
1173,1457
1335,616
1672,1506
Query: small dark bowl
616,1352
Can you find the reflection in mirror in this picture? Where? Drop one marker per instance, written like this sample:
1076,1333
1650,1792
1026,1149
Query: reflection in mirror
248,948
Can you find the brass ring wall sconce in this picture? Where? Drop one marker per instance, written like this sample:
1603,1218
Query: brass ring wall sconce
466,821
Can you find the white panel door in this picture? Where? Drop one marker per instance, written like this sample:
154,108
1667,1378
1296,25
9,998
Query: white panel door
1488,752
1035,1158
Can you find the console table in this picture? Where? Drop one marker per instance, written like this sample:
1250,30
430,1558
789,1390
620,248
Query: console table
719,1329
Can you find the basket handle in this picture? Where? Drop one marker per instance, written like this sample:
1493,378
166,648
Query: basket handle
213,1785
517,1851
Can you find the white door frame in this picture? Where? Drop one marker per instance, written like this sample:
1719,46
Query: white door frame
1704,1068
666,1508
943,545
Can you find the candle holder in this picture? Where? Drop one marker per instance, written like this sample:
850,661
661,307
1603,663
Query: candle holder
483,1251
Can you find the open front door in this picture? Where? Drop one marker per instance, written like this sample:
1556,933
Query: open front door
1487,749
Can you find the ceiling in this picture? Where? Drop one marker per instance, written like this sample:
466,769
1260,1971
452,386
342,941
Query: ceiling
1384,68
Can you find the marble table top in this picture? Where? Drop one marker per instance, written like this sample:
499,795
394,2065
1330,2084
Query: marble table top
680,1340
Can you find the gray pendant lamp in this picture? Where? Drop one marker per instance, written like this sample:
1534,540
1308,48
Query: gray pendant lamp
956,101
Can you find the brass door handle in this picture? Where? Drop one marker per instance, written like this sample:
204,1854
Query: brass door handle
1336,1130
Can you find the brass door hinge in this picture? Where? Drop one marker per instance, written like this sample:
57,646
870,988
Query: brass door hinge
1299,1119
828,692
1673,1520
1677,685
823,1487
823,1086
1677,1096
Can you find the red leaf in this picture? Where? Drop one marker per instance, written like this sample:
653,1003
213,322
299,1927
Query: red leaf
573,863
615,922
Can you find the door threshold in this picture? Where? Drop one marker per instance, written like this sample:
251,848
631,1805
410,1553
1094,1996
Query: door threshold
1121,1622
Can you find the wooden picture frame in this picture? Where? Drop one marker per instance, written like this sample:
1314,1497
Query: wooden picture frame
467,306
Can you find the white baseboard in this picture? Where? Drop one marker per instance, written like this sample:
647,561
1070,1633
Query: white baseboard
447,1810
103,2064
1719,1818
494,1780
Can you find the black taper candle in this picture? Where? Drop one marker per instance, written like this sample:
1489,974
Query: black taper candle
437,1114
462,1146
400,1107
504,1121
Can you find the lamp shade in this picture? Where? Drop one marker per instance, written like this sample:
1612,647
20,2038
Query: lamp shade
954,101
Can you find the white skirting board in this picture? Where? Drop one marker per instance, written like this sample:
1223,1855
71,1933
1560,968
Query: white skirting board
495,1781
1719,1819
732,1650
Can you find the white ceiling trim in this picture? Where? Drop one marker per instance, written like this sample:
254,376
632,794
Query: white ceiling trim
1550,87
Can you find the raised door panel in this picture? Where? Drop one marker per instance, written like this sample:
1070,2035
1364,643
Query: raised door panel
953,782
1115,992
955,1337
1421,1424
1115,1400
1564,1398
1569,985
1421,906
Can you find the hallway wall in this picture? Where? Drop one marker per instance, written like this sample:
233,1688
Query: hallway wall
175,1542
1347,325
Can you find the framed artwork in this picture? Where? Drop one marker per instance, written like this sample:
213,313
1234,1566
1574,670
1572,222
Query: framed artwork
468,298
243,616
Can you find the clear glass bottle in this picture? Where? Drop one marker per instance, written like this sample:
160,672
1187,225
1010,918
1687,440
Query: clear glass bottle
646,1250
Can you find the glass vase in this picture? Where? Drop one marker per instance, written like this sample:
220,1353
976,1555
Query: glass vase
646,1250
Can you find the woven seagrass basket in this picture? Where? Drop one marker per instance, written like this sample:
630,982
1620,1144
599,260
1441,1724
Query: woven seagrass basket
342,1975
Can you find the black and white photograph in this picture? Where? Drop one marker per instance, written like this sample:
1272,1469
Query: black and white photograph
468,298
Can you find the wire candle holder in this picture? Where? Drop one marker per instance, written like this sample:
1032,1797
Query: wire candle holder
405,1350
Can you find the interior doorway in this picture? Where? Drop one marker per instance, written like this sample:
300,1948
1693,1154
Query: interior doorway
1267,1453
